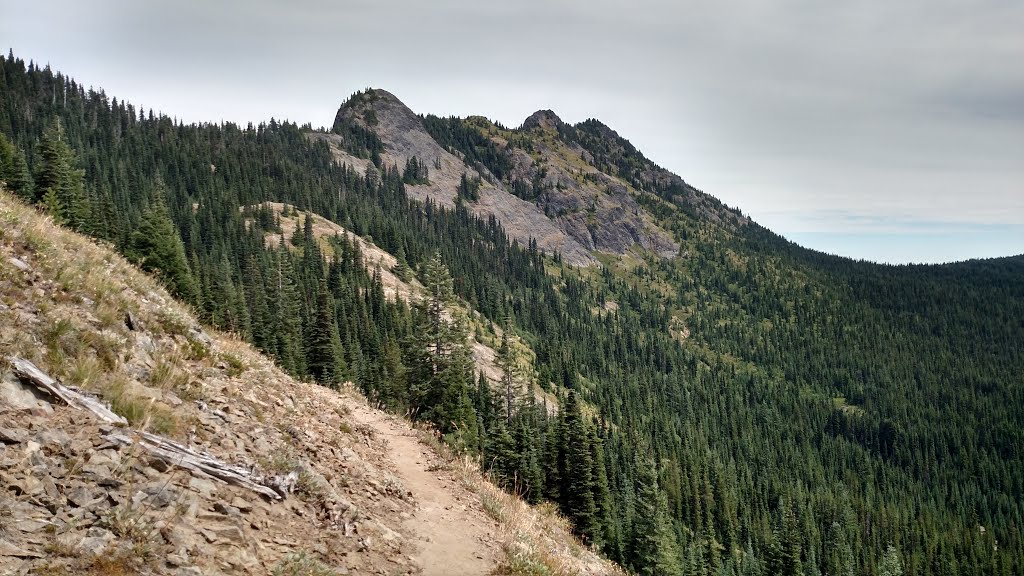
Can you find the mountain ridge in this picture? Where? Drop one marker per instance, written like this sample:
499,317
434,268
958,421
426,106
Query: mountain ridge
744,407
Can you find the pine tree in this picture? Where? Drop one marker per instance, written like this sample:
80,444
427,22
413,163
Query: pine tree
653,547
439,360
891,565
324,356
530,480
839,559
602,495
507,360
578,484
286,312
14,169
59,184
156,246
401,267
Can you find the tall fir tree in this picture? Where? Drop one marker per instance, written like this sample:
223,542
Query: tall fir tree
507,360
653,550
14,169
439,359
324,356
578,484
157,247
59,183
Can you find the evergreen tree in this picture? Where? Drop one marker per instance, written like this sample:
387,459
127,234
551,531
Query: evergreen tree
401,267
577,488
839,560
286,313
653,548
529,478
553,460
59,184
323,349
601,494
891,565
507,360
156,247
439,360
14,169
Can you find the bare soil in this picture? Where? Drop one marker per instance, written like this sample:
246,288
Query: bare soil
452,533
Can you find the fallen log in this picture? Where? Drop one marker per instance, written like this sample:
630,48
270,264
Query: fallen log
175,454
164,449
28,372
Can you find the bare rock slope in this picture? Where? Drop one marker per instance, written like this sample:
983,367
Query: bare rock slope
579,190
404,136
357,490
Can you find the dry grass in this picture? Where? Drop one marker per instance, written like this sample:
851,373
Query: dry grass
302,564
78,293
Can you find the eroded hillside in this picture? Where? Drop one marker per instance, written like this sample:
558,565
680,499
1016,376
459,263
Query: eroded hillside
357,492
577,190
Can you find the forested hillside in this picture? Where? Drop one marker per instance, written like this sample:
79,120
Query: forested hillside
744,407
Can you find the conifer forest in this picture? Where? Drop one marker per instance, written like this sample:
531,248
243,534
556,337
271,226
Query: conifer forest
754,407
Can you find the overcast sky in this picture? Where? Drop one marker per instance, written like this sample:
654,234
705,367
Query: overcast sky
892,131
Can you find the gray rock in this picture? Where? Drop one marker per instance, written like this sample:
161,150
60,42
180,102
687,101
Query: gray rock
196,333
20,397
241,504
10,550
95,470
161,495
203,486
11,436
19,264
175,560
30,525
53,437
542,119
230,533
81,496
96,541
26,485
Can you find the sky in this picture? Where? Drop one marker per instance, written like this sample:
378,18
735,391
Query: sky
888,131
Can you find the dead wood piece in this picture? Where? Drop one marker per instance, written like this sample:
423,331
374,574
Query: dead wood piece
164,449
176,454
29,372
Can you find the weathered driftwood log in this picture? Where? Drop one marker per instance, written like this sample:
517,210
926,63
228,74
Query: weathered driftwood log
164,449
176,454
73,397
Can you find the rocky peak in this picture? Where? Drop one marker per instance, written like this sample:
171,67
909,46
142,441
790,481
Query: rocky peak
542,119
367,108
404,136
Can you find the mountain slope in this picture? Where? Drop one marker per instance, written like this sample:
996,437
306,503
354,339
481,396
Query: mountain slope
742,406
367,495
404,137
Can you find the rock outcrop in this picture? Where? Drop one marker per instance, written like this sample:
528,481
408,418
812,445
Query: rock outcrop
576,209
404,136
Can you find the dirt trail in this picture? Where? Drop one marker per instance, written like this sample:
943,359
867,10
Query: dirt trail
452,533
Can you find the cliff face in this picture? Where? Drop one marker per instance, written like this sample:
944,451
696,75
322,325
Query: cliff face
405,137
577,189
598,210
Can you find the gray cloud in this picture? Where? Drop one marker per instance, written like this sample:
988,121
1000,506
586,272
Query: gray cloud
908,110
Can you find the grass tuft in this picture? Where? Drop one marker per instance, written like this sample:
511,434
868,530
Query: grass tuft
302,564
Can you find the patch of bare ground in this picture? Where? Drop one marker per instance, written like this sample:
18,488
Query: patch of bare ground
360,495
